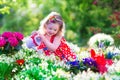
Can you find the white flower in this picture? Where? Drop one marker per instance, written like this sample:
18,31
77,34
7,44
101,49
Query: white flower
62,73
4,58
115,67
83,54
89,75
44,65
14,70
27,78
100,37
74,47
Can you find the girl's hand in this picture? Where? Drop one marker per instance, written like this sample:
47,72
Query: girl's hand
41,36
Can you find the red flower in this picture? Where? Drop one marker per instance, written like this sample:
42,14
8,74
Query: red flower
101,61
20,61
102,69
117,17
92,53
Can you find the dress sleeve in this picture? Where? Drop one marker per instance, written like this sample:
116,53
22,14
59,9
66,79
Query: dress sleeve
64,52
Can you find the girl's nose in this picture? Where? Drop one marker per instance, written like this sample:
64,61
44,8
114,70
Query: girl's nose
51,31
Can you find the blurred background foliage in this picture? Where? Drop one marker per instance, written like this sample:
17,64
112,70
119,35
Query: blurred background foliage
83,18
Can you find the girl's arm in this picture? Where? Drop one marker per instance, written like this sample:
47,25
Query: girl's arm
52,46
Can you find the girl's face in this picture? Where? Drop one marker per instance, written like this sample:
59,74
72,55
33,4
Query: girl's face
52,29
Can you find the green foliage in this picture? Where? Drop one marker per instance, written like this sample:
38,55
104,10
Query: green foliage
28,52
117,73
5,70
8,49
116,57
57,78
79,16
39,73
51,66
32,73
35,60
103,43
102,78
116,35
4,7
44,68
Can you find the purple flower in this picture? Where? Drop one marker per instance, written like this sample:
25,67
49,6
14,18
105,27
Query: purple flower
2,41
13,41
7,34
89,62
101,44
18,35
75,63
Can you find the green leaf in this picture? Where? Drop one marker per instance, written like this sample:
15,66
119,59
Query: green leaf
5,70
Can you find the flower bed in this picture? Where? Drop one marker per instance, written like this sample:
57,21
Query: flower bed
98,63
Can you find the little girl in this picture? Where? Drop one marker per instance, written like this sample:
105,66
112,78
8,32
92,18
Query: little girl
50,38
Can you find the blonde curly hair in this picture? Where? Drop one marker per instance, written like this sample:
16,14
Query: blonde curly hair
53,17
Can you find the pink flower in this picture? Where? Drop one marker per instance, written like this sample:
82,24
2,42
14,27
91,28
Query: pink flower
13,41
109,61
114,25
102,69
7,34
95,2
2,41
18,35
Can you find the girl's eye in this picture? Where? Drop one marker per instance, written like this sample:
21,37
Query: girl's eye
54,29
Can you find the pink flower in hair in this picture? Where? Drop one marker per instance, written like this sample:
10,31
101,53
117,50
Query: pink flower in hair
7,34
18,35
52,19
13,41
56,19
2,41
